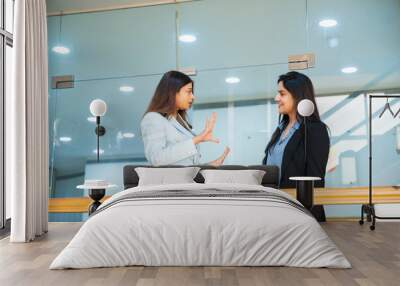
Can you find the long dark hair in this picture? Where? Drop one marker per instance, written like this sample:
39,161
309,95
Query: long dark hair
300,87
163,100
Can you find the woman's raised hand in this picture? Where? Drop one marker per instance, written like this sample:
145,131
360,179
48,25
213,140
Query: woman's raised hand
206,135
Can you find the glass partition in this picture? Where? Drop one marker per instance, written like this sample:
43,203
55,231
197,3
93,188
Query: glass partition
237,54
247,33
246,113
72,130
6,60
9,19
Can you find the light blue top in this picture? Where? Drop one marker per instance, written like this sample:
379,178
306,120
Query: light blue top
167,142
276,152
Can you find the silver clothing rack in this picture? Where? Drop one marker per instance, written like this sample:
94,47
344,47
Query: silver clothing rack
369,208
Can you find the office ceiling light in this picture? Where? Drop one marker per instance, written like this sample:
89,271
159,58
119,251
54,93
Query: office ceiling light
91,119
327,23
65,139
349,70
101,151
128,135
232,80
60,50
187,38
126,88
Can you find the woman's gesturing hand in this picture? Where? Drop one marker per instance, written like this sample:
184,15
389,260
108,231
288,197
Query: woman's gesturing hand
218,162
206,135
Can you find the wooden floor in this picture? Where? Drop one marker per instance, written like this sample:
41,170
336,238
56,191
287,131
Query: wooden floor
375,256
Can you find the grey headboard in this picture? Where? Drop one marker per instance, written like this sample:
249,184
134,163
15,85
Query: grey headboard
270,178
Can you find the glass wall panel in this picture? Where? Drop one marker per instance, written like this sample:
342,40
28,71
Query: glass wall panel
73,126
107,62
238,49
386,151
365,37
72,131
238,33
356,45
9,10
246,113
53,34
8,89
6,29
112,43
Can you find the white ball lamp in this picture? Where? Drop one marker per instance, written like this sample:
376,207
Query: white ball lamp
98,108
305,108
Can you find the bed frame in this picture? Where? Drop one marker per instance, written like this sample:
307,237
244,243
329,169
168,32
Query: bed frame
270,179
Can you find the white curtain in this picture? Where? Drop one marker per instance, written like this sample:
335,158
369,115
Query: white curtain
27,152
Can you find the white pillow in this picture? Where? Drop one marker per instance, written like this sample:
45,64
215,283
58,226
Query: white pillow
166,176
248,177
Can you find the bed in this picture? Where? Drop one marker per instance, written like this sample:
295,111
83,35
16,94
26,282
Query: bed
198,224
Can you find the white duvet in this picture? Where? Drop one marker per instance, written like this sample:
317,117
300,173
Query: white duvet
185,231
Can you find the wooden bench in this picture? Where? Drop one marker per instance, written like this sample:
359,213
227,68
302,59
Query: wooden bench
322,196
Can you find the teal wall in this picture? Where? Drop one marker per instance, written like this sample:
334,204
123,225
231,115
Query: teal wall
250,40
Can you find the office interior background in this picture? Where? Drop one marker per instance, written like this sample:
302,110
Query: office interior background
235,50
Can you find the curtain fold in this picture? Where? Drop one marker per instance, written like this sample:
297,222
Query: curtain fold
28,157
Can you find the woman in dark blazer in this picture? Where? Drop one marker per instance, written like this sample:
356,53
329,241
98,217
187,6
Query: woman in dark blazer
286,147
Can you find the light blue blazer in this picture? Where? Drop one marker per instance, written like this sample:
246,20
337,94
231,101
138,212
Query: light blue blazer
167,142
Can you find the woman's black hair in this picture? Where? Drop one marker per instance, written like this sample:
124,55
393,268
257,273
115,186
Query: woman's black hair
163,100
300,87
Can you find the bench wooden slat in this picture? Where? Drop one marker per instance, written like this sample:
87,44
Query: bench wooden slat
322,196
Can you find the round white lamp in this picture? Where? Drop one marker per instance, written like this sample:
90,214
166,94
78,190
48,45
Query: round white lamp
98,108
305,107
305,184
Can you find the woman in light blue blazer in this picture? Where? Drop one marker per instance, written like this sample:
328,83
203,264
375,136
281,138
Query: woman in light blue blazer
167,135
